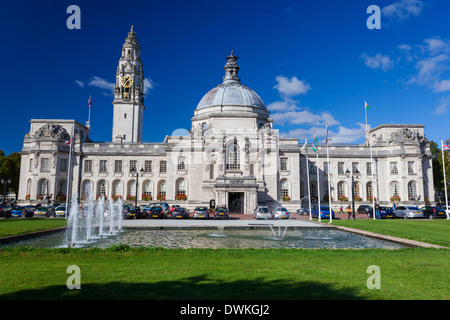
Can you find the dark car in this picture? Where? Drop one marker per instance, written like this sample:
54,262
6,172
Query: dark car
221,213
5,211
44,212
433,212
132,212
178,213
365,209
386,212
157,213
174,207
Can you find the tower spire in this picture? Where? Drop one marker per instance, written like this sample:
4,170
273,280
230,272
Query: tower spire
231,69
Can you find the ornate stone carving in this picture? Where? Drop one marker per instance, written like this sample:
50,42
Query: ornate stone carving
52,131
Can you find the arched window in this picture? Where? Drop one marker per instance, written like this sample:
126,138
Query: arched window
148,188
412,190
395,189
61,188
356,192
43,187
162,190
181,187
102,188
117,188
369,190
232,156
342,189
284,188
132,188
86,190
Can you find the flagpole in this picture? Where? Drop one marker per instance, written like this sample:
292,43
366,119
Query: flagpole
329,187
89,116
307,178
366,106
445,181
68,174
318,180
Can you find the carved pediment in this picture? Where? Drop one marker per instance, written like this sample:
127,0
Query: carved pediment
52,131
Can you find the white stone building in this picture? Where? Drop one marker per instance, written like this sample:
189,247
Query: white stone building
232,155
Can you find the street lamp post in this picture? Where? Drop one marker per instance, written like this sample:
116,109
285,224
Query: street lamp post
355,173
5,182
134,172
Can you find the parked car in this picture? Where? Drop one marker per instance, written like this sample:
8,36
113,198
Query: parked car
201,212
16,211
407,212
324,212
60,210
303,211
27,211
173,207
5,211
157,212
262,212
433,212
221,213
386,212
165,205
43,211
365,209
131,212
179,212
280,213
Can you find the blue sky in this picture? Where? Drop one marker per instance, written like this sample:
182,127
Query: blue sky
312,62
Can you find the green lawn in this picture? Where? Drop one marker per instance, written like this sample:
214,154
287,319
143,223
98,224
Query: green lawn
11,227
430,231
236,274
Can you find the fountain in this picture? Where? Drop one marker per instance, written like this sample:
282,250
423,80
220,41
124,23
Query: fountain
86,226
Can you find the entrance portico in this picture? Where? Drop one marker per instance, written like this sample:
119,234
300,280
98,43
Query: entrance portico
238,194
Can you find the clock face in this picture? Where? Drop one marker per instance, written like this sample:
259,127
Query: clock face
127,81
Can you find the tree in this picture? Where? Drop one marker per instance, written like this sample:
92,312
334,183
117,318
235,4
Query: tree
438,174
10,169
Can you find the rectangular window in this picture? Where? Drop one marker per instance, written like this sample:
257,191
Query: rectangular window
118,166
312,168
354,167
45,165
284,164
181,163
411,167
63,165
87,165
133,165
148,166
103,166
341,168
369,168
30,168
325,167
394,169
163,166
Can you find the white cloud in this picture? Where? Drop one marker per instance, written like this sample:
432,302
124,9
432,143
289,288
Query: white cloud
442,86
102,84
282,106
403,9
378,61
342,135
304,117
148,85
291,87
79,83
443,106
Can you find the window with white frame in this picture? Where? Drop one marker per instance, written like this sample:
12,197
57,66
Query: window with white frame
148,166
411,169
342,189
133,165
63,165
181,187
341,168
284,164
395,189
103,166
118,166
87,165
163,166
284,188
45,164
181,163
393,167
369,168
233,156
148,188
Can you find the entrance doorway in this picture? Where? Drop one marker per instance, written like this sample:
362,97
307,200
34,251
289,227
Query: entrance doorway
236,202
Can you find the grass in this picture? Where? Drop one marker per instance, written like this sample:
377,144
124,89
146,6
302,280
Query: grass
121,272
11,227
429,231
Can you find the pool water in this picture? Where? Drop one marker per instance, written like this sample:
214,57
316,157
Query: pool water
312,238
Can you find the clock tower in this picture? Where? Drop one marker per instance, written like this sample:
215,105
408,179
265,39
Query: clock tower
129,93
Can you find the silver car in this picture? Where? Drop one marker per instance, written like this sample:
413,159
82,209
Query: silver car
407,212
262,212
280,213
201,212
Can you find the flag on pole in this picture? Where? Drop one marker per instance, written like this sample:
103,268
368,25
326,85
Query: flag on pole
314,145
326,139
304,146
445,146
366,105
89,101
69,142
